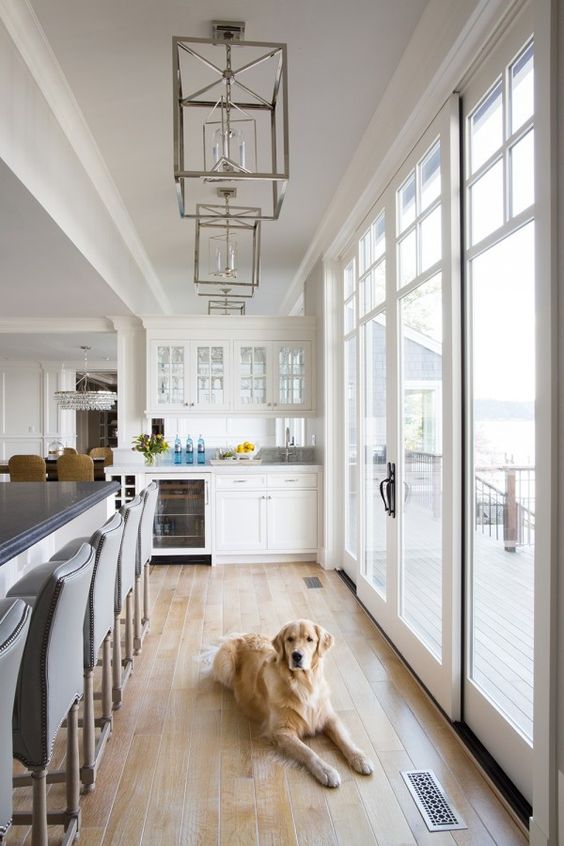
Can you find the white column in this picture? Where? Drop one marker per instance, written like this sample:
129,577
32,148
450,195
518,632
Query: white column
131,357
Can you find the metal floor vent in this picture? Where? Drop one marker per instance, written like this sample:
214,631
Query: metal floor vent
312,582
431,800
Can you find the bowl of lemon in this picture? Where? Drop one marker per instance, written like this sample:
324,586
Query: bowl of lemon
246,451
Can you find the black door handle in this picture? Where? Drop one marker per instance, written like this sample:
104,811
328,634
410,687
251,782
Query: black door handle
388,490
391,486
383,484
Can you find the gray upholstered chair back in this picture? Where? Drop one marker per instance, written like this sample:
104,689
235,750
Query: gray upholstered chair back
51,672
127,560
99,617
14,623
149,496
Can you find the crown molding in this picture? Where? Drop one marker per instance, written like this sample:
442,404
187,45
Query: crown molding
61,325
31,42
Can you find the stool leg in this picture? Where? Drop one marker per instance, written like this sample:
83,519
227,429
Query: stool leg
39,809
72,813
107,679
137,617
129,628
89,728
116,664
146,596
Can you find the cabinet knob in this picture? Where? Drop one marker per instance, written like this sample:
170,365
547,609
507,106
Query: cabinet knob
269,403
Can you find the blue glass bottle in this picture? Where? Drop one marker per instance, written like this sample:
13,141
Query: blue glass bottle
201,451
177,450
189,450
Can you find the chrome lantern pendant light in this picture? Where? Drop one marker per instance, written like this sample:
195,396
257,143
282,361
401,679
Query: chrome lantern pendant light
227,305
231,240
230,121
83,398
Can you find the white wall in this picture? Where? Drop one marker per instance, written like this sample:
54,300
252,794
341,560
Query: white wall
29,416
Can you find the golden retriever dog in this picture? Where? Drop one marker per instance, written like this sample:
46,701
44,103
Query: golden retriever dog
280,683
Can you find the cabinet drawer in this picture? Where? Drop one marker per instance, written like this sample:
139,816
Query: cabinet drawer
288,481
240,481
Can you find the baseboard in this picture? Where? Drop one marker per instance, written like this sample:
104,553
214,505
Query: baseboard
266,558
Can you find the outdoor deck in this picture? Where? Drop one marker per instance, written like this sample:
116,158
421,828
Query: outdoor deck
502,597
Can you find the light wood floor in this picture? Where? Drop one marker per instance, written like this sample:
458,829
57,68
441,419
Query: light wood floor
184,767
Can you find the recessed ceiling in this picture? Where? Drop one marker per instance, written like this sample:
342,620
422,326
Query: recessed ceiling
117,60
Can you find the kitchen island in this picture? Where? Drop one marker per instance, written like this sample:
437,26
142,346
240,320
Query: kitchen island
37,518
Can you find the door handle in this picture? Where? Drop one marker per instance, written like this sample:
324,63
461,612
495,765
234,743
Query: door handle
388,490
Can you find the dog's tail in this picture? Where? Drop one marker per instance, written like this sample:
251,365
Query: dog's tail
224,662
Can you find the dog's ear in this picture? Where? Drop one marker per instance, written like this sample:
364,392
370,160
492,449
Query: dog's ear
278,643
325,640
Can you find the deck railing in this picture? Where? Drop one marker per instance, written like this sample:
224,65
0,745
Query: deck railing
505,504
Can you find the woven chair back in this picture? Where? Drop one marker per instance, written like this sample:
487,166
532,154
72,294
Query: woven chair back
75,468
103,452
27,468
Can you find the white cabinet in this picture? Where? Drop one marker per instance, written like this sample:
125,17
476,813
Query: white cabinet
189,375
253,379
292,520
168,376
244,365
240,521
266,513
292,375
273,375
210,375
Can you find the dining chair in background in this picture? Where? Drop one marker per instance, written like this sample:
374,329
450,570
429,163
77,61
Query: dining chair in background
27,468
75,468
103,452
70,451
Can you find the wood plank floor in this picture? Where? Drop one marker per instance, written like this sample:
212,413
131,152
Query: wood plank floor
183,766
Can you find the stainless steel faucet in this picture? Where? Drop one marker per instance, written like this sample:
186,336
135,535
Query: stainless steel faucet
287,451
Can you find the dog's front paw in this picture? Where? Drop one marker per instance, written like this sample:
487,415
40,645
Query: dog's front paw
326,775
362,764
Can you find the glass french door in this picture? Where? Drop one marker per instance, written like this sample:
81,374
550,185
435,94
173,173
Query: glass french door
407,297
498,114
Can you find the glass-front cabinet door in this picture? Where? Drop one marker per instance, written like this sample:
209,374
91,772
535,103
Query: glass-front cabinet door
169,377
254,373
210,377
292,375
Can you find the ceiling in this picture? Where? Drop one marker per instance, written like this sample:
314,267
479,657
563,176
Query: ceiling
43,346
41,270
116,57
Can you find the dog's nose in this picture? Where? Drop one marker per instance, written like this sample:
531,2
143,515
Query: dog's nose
297,657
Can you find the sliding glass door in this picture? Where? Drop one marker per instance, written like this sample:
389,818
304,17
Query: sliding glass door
405,275
501,325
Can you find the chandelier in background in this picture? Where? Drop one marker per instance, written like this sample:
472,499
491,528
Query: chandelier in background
230,120
83,398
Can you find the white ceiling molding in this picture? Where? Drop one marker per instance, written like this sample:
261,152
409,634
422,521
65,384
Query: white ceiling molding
62,325
29,39
443,46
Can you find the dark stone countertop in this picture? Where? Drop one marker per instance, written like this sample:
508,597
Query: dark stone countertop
29,511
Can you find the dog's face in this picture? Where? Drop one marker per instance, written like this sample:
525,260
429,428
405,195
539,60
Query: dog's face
301,644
